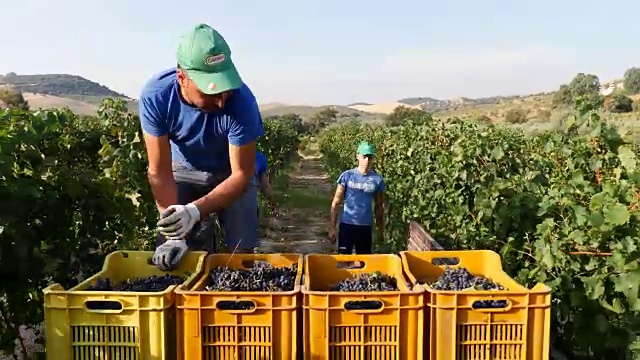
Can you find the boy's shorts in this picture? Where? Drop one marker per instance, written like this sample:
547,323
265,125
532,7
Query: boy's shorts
354,236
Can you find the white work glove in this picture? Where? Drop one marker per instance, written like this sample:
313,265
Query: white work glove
178,220
168,255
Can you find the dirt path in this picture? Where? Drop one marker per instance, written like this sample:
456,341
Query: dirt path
301,226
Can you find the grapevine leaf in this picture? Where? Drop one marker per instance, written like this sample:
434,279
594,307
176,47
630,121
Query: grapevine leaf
617,214
627,157
596,219
497,153
598,201
580,214
629,285
615,306
593,286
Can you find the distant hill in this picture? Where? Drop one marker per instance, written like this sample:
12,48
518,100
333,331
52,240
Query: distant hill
63,85
46,91
306,111
435,105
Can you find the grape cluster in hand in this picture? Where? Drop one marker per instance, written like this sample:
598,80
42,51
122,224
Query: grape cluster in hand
458,279
149,284
375,281
261,277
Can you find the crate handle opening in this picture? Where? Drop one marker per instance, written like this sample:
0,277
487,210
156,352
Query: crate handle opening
358,264
236,306
364,306
248,264
103,306
491,305
441,261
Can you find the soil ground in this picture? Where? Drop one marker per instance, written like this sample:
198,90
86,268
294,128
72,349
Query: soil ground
304,198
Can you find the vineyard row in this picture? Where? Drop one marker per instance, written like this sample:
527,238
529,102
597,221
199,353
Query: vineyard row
73,189
534,200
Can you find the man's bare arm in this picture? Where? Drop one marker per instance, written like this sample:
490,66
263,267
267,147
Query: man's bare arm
243,160
335,205
379,212
160,174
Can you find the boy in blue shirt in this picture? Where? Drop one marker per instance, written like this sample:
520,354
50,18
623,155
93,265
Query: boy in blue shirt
200,123
360,188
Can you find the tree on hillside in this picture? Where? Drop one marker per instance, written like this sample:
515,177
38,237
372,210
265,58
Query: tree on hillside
516,116
562,97
402,114
13,99
585,86
618,103
322,119
632,80
295,121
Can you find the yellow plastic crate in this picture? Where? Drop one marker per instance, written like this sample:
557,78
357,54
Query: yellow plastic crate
142,329
333,332
268,331
519,331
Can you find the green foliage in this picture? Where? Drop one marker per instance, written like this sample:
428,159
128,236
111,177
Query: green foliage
483,119
322,119
632,80
402,114
12,99
584,86
516,116
618,103
562,97
74,189
531,199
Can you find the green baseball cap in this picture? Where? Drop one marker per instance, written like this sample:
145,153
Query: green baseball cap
365,148
206,58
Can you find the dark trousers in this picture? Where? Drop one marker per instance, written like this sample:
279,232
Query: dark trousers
354,236
240,227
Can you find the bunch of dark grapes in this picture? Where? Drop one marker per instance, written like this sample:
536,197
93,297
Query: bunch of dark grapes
260,277
148,284
458,279
375,281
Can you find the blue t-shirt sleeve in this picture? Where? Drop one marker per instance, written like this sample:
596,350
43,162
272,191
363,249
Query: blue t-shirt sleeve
262,164
382,186
150,119
246,121
343,179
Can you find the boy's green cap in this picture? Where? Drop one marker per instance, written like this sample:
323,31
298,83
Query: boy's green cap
206,57
365,148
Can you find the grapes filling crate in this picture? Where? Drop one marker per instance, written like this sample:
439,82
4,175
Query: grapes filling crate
474,310
360,307
244,306
126,311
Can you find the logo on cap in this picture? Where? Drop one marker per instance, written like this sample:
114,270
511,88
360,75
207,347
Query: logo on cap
214,59
212,86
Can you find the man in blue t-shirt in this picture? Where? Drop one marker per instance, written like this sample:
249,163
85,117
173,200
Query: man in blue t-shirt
359,188
200,124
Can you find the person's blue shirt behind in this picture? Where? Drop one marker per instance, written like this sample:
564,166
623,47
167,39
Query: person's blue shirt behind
199,140
359,194
261,163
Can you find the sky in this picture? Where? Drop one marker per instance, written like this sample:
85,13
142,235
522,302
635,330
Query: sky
333,52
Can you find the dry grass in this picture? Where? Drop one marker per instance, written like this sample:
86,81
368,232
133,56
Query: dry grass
37,101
